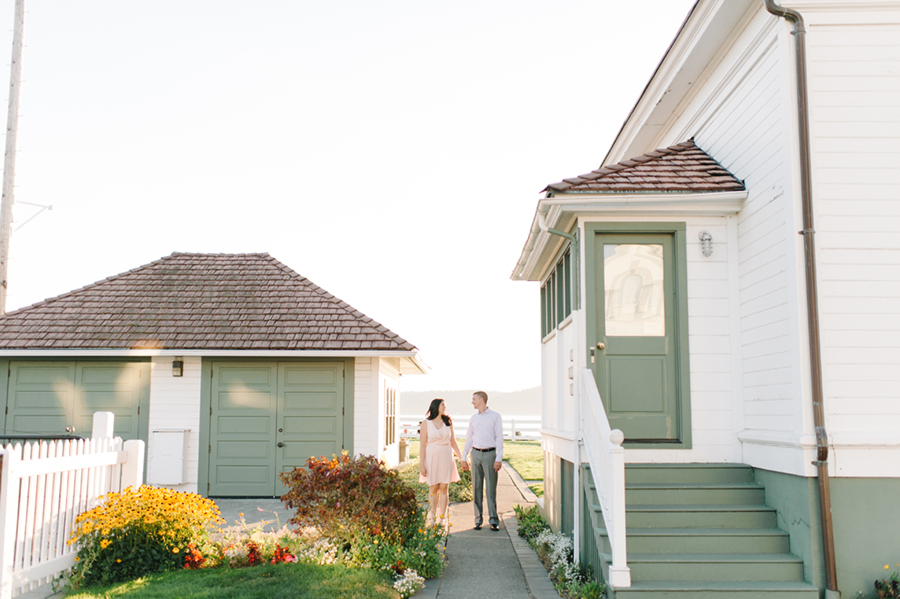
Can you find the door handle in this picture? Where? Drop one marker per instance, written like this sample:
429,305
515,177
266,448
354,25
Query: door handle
280,444
601,345
70,429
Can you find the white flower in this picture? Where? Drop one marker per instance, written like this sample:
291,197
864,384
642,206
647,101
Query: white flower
408,583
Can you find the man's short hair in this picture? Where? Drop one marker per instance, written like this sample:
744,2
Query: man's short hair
482,395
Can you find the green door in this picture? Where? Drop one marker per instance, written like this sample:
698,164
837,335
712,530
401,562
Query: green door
310,406
634,352
55,398
268,417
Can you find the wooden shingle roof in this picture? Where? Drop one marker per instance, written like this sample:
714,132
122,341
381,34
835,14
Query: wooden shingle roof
683,168
199,301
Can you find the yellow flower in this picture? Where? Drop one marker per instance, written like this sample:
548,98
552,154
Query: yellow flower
176,550
104,543
77,559
887,567
118,561
375,541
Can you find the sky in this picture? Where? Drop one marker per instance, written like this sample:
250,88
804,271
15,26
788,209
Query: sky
392,152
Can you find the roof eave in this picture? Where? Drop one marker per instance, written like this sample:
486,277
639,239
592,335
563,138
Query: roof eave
700,37
539,250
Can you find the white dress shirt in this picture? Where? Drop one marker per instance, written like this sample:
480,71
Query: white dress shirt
485,431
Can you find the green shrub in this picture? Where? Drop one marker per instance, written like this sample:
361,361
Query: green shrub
138,532
888,588
531,523
422,551
351,499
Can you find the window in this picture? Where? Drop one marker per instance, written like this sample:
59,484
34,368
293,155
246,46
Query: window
556,295
390,415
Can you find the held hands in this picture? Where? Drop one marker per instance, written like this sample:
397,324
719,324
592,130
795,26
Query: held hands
465,465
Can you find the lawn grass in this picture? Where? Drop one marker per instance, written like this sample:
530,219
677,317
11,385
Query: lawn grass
297,581
526,457
537,488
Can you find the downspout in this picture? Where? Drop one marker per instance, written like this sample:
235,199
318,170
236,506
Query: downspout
812,302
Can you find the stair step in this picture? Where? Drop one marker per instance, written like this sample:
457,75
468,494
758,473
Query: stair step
688,473
703,540
708,516
694,493
706,567
675,589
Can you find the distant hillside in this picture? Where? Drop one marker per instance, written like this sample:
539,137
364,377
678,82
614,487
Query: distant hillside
515,403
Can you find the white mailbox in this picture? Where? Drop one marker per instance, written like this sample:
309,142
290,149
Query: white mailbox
167,464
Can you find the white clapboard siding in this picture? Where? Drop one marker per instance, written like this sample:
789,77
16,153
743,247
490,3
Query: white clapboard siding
175,404
365,406
746,132
855,127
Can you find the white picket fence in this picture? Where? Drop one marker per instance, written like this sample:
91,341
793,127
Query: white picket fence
514,427
44,487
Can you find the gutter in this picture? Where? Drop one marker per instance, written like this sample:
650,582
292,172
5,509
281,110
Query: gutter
812,301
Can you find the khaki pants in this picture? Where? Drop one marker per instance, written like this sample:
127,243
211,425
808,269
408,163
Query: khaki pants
483,469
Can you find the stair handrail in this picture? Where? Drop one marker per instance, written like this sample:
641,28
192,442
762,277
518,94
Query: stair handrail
606,457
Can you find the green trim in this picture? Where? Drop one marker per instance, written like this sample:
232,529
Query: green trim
349,402
4,391
682,355
205,404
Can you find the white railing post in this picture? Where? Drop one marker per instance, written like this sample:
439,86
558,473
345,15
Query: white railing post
606,457
9,495
133,468
619,572
103,425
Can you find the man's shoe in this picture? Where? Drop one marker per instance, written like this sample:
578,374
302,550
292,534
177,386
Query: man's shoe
478,527
494,527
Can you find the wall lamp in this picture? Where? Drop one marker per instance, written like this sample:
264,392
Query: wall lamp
178,367
706,243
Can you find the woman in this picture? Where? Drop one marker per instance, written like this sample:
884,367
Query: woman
436,464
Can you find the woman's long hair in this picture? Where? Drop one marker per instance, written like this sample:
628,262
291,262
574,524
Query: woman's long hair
434,411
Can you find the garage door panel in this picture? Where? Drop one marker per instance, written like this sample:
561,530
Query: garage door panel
244,478
242,429
108,387
107,400
245,400
107,375
309,376
245,425
46,400
310,426
38,425
244,450
43,375
310,401
49,397
257,406
245,376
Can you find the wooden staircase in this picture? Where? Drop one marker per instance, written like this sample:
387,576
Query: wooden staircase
701,531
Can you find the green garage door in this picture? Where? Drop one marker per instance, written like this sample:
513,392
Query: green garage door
269,417
56,398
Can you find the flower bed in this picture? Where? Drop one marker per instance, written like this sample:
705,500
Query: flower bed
350,511
556,553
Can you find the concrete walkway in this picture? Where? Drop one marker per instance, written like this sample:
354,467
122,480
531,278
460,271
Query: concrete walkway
484,563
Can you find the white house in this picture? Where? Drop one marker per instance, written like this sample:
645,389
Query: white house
232,367
725,293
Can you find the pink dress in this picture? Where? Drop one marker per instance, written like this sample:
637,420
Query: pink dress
439,462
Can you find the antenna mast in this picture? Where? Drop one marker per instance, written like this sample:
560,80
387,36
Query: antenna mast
9,163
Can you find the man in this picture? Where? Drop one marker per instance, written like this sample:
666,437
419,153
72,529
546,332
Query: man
485,439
